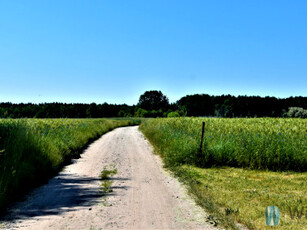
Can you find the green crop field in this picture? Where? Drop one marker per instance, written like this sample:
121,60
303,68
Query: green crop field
245,165
262,143
32,150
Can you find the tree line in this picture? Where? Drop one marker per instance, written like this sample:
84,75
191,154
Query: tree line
155,104
242,106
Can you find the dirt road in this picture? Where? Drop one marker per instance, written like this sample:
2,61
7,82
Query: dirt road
144,195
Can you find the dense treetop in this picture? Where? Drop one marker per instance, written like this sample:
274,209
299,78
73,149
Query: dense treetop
153,100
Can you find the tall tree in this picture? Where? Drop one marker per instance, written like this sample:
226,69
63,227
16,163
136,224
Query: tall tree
153,100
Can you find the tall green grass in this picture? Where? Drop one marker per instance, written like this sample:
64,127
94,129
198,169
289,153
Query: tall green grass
256,143
32,150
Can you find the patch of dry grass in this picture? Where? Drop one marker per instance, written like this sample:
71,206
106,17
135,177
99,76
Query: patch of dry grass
243,195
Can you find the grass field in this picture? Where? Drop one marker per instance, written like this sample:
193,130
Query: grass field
257,143
245,165
33,150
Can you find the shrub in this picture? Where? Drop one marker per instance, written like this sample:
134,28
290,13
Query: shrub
297,112
173,114
141,113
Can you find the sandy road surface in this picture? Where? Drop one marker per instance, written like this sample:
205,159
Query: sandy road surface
144,195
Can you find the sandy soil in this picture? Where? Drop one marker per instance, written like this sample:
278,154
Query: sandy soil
144,195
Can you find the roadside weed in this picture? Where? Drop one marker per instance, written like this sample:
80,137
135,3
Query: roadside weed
107,172
106,182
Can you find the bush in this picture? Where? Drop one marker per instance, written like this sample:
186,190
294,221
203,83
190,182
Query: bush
141,113
173,114
297,112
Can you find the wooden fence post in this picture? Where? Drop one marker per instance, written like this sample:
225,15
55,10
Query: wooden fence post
202,137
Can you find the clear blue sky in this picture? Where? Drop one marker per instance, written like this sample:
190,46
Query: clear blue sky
113,51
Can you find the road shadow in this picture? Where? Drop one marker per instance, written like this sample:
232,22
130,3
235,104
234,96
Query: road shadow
63,193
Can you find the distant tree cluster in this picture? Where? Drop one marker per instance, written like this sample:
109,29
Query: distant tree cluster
155,104
241,106
63,110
